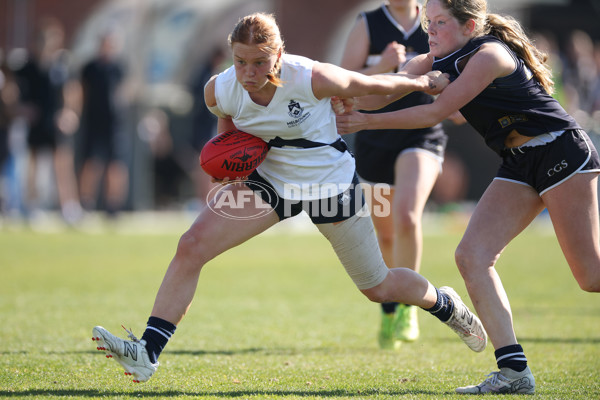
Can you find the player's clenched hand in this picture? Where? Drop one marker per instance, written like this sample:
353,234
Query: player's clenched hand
437,82
393,56
342,105
351,122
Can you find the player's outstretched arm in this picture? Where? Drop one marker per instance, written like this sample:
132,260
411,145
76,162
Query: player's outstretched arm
437,83
329,80
489,63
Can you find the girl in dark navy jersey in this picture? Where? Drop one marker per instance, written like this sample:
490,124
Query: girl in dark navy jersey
502,87
382,41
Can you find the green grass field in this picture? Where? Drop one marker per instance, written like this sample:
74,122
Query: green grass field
275,318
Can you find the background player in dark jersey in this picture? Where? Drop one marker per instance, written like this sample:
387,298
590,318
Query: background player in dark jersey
502,87
382,41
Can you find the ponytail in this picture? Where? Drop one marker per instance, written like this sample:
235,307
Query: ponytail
509,31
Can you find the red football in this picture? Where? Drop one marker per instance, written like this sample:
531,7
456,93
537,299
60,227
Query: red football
232,154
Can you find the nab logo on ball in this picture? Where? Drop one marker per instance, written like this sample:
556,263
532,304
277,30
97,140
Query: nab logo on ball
233,154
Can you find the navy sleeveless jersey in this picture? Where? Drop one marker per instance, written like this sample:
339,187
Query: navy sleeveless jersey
382,30
514,102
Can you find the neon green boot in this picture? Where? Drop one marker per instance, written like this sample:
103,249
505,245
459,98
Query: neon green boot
387,332
406,323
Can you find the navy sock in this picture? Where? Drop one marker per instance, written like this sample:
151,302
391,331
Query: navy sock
389,308
157,334
511,357
443,307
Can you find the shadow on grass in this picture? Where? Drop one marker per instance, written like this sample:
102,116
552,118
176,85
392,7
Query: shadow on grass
224,394
260,350
211,352
559,340
229,352
176,352
304,350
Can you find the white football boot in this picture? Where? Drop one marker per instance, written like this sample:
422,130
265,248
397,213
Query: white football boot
504,381
131,354
466,324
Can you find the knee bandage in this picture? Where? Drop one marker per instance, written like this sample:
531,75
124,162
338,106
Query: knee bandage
355,243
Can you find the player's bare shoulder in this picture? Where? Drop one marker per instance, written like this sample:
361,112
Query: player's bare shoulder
496,57
325,79
209,92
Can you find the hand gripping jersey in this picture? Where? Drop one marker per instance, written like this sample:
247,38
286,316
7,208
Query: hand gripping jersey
295,171
514,102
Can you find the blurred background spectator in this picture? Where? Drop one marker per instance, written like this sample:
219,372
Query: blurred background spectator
41,79
578,71
104,140
167,165
9,97
168,48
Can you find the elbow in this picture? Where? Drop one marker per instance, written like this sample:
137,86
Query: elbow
431,119
435,113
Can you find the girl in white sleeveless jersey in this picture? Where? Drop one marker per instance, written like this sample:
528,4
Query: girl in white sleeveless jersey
285,100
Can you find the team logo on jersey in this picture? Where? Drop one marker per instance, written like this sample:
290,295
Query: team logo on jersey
294,109
511,119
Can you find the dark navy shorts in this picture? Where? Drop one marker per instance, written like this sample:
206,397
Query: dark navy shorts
377,165
322,211
547,166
